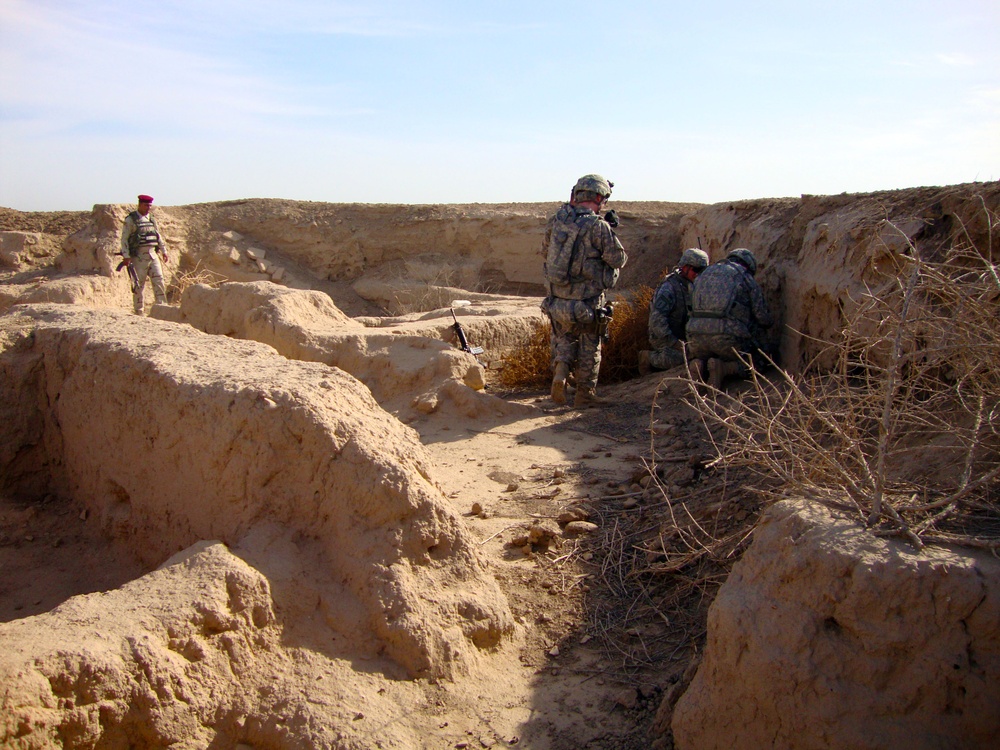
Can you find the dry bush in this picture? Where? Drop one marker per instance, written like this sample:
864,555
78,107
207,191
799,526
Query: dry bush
628,333
529,365
197,275
905,430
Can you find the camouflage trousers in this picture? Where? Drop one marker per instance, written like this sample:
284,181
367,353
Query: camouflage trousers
665,357
575,339
147,264
725,346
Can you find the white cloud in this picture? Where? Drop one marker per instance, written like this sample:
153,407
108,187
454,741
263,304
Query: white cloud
957,59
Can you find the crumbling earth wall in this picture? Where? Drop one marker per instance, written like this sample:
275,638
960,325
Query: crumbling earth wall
168,437
826,636
403,371
818,255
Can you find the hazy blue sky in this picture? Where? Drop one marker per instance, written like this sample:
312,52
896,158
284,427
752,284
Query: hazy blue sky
456,101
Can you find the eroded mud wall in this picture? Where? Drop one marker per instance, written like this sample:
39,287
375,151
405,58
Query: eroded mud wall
826,636
168,436
817,255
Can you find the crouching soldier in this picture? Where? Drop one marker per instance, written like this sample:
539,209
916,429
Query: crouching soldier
729,317
668,314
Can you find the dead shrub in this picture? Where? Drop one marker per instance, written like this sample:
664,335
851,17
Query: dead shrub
529,366
628,333
905,429
197,275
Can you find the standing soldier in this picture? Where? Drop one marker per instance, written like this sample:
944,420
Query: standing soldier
141,240
582,260
668,313
729,316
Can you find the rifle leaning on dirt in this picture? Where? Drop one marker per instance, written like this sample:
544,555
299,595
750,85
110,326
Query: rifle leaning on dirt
133,277
463,340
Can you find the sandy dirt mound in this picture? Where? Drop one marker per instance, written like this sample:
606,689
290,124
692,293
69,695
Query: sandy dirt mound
825,636
146,425
154,663
409,373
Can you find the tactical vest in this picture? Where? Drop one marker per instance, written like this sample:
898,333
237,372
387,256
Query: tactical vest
563,261
715,290
146,233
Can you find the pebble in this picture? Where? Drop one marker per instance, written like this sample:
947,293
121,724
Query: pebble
573,514
580,527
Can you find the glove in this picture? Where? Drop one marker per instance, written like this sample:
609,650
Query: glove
612,218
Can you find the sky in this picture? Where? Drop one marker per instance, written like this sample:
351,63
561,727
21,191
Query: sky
454,101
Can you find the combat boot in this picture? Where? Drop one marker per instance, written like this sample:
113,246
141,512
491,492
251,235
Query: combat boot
719,370
644,366
588,397
559,382
699,370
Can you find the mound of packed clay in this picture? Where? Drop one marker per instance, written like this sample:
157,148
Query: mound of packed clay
168,437
152,663
401,370
826,636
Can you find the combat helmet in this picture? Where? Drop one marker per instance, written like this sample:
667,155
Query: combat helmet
697,259
594,183
744,257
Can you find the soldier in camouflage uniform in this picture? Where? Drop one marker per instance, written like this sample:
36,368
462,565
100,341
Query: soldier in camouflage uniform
668,313
729,316
141,240
582,260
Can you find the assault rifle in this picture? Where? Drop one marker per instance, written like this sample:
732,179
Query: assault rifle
133,277
603,316
463,340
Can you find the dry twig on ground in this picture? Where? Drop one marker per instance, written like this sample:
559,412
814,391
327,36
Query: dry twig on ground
197,275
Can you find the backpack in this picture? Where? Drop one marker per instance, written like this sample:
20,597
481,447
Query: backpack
715,290
563,262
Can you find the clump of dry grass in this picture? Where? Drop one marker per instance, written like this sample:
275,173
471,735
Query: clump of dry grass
905,430
197,275
529,365
628,333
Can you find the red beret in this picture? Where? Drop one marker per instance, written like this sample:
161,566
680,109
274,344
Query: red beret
145,199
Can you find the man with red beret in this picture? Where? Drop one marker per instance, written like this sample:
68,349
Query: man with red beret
141,241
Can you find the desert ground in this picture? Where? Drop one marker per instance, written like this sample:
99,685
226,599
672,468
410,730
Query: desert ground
286,510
